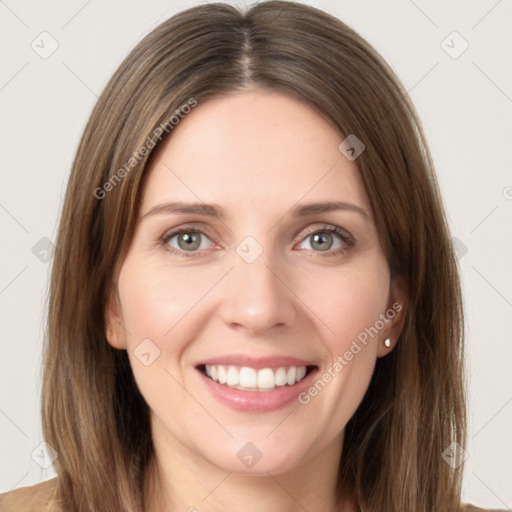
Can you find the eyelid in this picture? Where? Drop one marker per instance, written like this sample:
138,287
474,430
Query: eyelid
190,226
345,236
330,228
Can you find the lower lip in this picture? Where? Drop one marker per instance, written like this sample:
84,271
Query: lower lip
257,401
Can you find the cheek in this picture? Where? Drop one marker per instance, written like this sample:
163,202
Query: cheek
348,301
348,304
164,310
157,300
157,305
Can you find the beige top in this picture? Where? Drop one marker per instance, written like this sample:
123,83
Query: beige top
37,497
40,498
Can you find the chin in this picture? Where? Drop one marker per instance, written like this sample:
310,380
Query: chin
255,458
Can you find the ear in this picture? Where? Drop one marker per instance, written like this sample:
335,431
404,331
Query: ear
395,316
115,331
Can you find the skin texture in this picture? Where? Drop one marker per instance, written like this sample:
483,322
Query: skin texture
256,154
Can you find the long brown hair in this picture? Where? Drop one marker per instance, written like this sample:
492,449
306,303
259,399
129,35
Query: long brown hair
92,412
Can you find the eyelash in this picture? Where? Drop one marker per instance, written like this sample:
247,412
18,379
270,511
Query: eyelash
344,236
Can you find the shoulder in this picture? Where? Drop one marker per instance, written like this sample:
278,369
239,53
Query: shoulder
40,497
466,507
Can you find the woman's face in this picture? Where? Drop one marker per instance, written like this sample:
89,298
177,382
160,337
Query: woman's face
255,286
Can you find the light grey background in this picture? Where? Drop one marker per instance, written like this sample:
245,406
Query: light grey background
464,101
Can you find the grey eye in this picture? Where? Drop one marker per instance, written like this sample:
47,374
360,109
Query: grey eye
187,240
322,241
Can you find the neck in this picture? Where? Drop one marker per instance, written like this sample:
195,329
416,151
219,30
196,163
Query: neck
178,479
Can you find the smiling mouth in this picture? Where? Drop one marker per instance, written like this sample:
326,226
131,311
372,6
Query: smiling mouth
251,379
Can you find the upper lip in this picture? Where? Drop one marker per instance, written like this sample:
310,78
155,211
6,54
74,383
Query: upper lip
256,362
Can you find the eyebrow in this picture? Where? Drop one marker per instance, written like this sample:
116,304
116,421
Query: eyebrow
213,210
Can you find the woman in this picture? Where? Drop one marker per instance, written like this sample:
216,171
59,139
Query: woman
254,301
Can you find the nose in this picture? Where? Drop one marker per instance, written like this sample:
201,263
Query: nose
257,295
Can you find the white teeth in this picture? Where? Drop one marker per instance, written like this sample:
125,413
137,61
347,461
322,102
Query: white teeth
266,378
257,380
290,376
232,376
248,377
280,377
221,374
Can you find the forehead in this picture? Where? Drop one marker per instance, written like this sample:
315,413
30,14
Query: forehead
257,150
